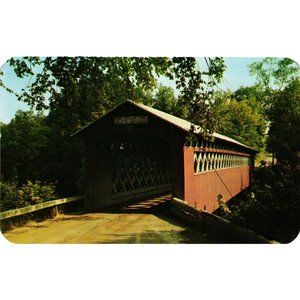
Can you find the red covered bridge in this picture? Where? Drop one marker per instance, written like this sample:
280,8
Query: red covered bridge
136,151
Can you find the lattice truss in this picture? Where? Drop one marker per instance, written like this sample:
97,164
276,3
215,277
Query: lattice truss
210,160
139,164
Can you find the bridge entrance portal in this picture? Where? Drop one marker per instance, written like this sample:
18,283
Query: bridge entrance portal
137,165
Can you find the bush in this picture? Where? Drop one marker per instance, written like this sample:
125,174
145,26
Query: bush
31,193
9,196
35,192
223,210
271,207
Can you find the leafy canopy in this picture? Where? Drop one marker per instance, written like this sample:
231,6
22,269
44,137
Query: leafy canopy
274,73
284,115
278,92
84,88
241,120
22,141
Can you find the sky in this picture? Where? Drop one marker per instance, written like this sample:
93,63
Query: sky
236,75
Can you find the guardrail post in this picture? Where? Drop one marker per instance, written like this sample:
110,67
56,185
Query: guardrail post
53,212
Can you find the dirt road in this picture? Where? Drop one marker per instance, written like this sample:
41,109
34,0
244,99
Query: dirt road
143,222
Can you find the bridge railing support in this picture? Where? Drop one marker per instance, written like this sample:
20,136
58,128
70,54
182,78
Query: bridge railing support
222,229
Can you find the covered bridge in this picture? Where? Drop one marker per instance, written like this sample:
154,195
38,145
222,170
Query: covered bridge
136,151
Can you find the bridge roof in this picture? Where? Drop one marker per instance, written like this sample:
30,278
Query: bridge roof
178,122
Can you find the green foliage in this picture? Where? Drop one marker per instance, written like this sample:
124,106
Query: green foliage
35,147
274,73
278,92
223,209
271,208
21,143
36,192
254,92
9,196
284,116
241,120
84,88
61,155
196,89
165,100
30,193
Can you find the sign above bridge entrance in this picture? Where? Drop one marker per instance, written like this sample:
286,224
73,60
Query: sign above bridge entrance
131,120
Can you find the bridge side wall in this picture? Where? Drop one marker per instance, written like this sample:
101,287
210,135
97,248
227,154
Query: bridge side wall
201,190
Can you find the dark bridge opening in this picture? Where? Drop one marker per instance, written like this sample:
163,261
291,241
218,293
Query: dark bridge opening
132,166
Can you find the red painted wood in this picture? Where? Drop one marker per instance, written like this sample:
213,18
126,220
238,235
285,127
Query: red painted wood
189,184
202,190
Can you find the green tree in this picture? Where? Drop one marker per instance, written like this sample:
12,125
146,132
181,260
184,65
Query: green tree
63,157
22,141
278,79
87,87
166,100
254,92
284,115
241,120
196,89
274,73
